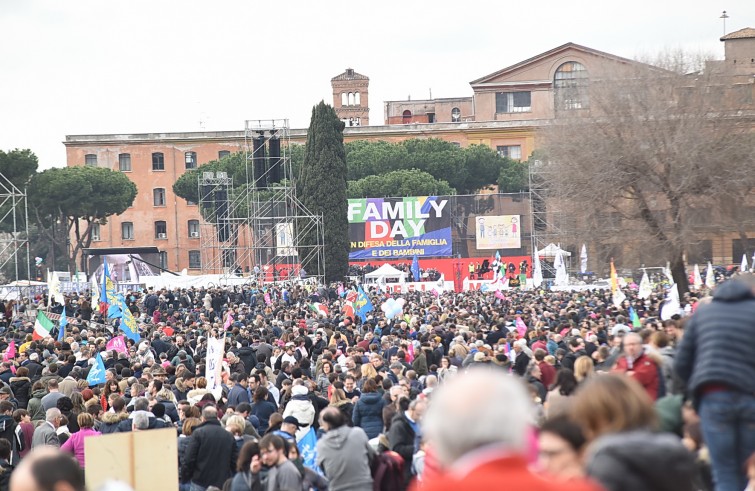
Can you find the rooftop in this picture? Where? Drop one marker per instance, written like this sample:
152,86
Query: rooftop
350,74
746,33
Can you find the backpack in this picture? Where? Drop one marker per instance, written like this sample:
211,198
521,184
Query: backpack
387,470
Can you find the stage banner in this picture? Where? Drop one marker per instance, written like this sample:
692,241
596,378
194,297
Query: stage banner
498,232
399,227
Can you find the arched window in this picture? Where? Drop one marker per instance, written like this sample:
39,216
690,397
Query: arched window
455,115
570,86
357,99
351,98
406,116
344,99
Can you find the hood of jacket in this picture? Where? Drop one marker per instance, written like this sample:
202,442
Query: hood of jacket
39,394
114,418
659,460
732,291
336,439
370,398
19,380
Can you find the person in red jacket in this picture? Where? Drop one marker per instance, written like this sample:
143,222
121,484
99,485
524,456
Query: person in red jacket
478,445
636,363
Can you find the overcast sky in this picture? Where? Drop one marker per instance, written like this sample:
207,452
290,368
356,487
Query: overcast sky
132,66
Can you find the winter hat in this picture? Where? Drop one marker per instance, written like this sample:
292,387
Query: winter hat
299,390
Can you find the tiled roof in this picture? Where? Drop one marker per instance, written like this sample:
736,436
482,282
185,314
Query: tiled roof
747,32
350,74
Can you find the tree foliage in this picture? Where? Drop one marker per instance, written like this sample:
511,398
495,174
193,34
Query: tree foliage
74,198
657,145
399,183
322,187
17,166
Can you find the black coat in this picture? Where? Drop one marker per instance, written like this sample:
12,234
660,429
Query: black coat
248,356
210,456
401,438
21,387
35,370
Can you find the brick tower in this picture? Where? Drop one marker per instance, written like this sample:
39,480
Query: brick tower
350,98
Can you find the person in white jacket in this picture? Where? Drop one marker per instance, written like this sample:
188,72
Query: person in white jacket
301,408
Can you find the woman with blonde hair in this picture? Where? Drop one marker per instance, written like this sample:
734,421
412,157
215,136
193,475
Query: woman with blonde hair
624,451
368,372
583,368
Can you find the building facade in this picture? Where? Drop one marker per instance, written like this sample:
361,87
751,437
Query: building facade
504,111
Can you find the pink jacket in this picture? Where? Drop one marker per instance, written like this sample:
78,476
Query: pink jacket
75,444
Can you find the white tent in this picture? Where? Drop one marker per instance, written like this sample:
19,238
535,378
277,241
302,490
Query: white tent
552,250
384,272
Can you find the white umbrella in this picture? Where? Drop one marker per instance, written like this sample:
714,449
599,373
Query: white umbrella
710,278
583,260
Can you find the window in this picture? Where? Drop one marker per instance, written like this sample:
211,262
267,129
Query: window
158,196
191,160
570,86
161,230
158,161
194,229
223,154
344,99
513,102
195,260
357,99
162,258
95,231
124,162
406,116
351,98
127,231
430,117
455,115
510,151
90,160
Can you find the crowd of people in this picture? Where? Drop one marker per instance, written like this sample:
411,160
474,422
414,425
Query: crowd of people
535,389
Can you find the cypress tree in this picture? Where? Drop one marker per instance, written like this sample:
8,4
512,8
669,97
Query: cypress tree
322,187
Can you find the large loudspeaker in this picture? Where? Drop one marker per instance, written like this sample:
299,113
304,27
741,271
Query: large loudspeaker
276,164
221,212
260,162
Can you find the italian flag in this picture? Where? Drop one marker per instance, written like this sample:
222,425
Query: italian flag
320,309
42,326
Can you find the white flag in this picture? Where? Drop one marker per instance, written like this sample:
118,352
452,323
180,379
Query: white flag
215,348
697,280
710,278
583,260
562,279
646,289
743,266
537,271
671,306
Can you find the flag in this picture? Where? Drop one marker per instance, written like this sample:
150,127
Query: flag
671,306
363,305
105,277
415,269
118,344
341,292
320,309
268,300
697,280
562,278
710,278
537,271
634,317
521,327
646,289
499,295
10,353
128,323
743,266
308,449
95,293
42,326
583,260
228,321
62,325
97,372
616,293
215,348
53,290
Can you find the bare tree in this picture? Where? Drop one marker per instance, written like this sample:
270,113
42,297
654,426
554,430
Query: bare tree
656,143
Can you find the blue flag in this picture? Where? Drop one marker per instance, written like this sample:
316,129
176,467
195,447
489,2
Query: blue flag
105,277
97,372
62,325
363,305
415,269
308,449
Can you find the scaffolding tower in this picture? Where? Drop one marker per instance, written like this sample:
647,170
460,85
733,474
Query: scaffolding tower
253,223
547,217
14,219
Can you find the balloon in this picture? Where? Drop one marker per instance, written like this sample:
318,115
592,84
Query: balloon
401,302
